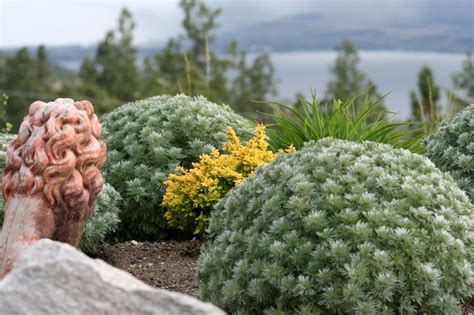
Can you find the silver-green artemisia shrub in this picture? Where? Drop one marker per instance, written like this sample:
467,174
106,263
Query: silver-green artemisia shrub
341,228
147,139
5,139
103,220
451,148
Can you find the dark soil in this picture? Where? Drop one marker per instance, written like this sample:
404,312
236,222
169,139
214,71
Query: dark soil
468,308
170,265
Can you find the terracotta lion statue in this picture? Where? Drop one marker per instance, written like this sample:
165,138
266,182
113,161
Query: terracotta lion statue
52,176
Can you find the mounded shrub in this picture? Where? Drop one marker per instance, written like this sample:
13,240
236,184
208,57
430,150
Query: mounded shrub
341,228
102,221
5,139
146,140
451,148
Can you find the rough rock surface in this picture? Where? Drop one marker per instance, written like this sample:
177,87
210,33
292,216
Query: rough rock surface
54,278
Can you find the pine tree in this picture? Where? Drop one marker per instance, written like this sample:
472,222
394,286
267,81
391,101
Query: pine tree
349,81
43,70
114,68
88,72
463,82
3,62
199,24
464,79
252,82
188,65
424,105
165,72
20,77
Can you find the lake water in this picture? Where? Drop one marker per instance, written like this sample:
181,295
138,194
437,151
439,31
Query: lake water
394,72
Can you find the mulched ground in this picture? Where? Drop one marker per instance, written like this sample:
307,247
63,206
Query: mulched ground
468,308
170,265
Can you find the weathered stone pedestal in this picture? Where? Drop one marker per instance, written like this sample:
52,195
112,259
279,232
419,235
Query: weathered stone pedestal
52,176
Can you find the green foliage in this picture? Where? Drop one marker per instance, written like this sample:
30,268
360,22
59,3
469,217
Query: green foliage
451,148
103,220
463,83
5,125
311,120
349,80
463,80
341,228
425,106
23,74
147,140
114,69
5,139
43,69
252,82
187,65
199,24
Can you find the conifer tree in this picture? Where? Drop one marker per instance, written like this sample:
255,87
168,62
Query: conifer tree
114,68
188,65
43,70
199,24
424,105
24,78
253,81
349,81
165,72
463,82
464,79
20,76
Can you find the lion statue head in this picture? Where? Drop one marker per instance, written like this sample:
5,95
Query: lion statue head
57,153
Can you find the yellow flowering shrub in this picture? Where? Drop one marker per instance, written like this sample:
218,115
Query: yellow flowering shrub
191,194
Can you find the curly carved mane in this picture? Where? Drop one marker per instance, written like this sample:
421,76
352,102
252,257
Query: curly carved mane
58,153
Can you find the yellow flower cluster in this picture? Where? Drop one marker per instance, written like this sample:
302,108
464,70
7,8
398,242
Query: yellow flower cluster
191,194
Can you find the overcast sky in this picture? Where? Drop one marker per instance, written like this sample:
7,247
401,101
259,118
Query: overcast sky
62,22
54,22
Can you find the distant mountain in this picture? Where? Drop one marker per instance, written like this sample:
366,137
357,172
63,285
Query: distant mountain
315,31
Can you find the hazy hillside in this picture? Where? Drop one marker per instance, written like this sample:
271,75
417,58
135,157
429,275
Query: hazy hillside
442,27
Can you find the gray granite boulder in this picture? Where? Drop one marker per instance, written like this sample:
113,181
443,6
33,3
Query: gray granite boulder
55,278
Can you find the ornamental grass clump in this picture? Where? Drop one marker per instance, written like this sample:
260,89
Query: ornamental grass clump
103,220
191,194
341,227
451,148
147,140
312,120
